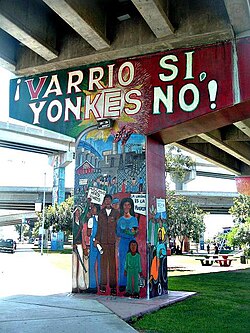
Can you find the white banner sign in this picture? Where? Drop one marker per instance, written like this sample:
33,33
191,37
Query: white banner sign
96,195
139,203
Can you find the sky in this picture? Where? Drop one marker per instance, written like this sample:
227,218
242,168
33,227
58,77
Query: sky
27,169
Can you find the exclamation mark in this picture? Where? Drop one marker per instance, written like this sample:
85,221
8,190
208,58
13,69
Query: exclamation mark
212,89
17,94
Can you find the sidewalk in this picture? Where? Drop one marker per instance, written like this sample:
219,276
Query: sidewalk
35,297
65,313
57,314
34,302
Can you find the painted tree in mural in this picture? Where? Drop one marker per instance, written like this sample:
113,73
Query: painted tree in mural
185,219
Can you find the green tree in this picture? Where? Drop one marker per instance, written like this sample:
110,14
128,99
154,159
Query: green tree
60,217
23,229
240,236
178,165
185,219
240,210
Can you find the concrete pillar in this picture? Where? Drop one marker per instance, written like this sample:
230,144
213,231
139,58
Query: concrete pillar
58,194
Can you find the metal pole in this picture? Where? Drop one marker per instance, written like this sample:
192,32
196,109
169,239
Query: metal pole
43,216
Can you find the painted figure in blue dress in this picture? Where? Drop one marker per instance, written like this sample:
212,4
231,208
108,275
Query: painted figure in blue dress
127,229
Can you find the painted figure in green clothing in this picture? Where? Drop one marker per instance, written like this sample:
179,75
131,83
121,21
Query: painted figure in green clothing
133,270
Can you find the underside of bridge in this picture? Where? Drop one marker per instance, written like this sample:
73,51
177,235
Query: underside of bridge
44,35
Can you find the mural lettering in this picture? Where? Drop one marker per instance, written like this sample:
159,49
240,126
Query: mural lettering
188,94
150,92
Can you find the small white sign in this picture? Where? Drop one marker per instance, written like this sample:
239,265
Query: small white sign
160,205
38,206
83,181
139,203
96,195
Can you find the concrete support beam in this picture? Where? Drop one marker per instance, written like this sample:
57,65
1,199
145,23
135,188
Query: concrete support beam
212,154
239,15
238,150
30,25
197,23
154,14
8,47
244,126
85,17
232,133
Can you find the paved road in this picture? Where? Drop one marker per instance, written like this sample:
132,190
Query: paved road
35,297
29,272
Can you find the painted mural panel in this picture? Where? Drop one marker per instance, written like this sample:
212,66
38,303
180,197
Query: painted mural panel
157,217
110,222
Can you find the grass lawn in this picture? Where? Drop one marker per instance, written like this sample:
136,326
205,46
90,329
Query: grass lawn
222,304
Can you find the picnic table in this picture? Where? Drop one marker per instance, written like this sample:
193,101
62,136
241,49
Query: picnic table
207,260
223,260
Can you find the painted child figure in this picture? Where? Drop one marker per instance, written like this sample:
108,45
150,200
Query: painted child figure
133,270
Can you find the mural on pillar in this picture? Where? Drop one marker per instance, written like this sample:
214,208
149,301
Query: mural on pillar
139,96
110,223
157,248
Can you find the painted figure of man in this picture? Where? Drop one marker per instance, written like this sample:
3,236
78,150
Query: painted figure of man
106,237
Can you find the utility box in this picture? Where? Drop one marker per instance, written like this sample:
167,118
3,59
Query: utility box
243,260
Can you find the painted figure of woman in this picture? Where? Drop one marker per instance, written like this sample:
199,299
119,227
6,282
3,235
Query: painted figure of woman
127,229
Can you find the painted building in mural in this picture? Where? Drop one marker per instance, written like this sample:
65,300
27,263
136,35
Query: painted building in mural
118,111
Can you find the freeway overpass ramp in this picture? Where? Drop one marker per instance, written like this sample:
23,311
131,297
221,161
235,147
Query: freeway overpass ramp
13,219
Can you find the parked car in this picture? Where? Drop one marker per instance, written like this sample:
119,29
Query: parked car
7,245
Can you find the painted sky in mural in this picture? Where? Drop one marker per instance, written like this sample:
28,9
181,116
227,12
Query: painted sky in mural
141,94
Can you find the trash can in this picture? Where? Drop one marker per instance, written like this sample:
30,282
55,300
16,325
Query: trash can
243,259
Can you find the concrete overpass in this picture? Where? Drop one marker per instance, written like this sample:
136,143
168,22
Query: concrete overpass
33,139
24,198
13,219
213,202
51,35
